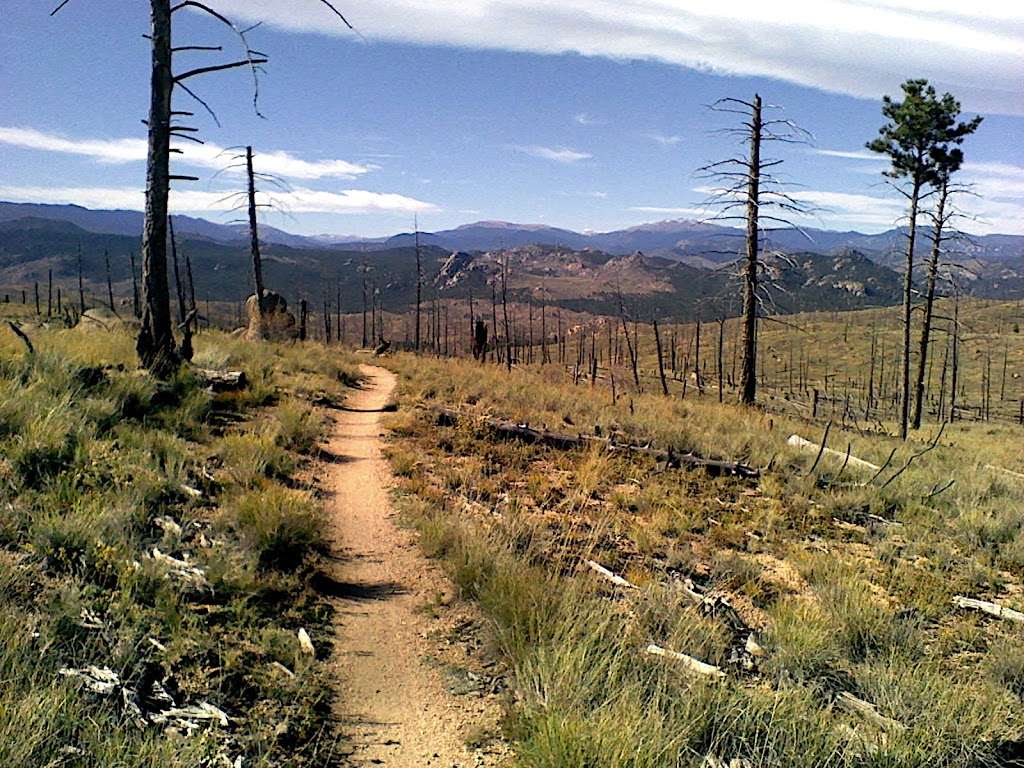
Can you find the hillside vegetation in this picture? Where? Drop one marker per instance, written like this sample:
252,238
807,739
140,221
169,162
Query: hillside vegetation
156,544
844,577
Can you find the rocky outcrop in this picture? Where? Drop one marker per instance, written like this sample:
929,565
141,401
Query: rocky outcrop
276,322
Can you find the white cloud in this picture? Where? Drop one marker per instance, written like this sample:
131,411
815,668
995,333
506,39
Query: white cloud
671,211
995,180
584,119
850,154
560,155
207,155
859,47
661,138
297,200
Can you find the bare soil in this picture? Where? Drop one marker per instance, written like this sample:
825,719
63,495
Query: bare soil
412,689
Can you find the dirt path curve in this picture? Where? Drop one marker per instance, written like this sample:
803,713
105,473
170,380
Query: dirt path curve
393,706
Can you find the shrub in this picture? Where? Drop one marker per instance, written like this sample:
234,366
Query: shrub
298,427
278,525
251,457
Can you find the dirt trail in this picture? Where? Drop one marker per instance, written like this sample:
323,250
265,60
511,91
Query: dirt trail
393,700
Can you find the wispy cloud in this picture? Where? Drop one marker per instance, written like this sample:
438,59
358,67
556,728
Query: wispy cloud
858,47
995,180
559,155
297,200
849,154
663,139
592,195
672,211
130,150
582,118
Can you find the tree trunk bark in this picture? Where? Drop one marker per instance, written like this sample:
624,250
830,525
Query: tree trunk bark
419,286
504,309
136,309
661,358
908,283
155,343
748,371
183,322
926,328
254,243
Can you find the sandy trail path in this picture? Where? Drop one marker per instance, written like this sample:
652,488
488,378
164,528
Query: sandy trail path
393,706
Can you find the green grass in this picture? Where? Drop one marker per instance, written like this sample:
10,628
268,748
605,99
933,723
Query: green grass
95,459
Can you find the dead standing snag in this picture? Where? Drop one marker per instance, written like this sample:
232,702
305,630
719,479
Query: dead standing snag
155,342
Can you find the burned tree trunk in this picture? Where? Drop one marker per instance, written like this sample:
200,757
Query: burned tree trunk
661,358
748,369
155,344
254,243
504,309
110,285
939,221
136,309
81,284
419,285
184,317
192,308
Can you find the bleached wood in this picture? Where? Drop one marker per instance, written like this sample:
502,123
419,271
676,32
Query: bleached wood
806,445
1005,471
867,712
691,664
992,609
612,577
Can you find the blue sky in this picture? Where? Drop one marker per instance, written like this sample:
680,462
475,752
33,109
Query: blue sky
587,114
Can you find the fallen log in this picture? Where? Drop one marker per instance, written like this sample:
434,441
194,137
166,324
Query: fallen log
612,577
1005,471
992,609
689,663
806,445
867,712
16,329
563,440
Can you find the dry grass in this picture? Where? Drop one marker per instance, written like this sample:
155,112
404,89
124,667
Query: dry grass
863,606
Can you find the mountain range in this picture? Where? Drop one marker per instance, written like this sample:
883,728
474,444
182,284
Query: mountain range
674,269
698,243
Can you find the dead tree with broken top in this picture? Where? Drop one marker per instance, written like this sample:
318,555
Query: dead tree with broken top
749,191
155,342
942,231
184,317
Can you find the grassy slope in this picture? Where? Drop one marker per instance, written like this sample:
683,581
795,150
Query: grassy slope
864,608
93,457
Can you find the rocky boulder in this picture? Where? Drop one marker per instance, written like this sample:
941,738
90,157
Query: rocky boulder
276,323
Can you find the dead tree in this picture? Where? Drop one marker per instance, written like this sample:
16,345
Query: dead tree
192,308
136,309
254,240
747,185
504,309
155,342
941,217
110,285
184,317
419,283
81,284
661,357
